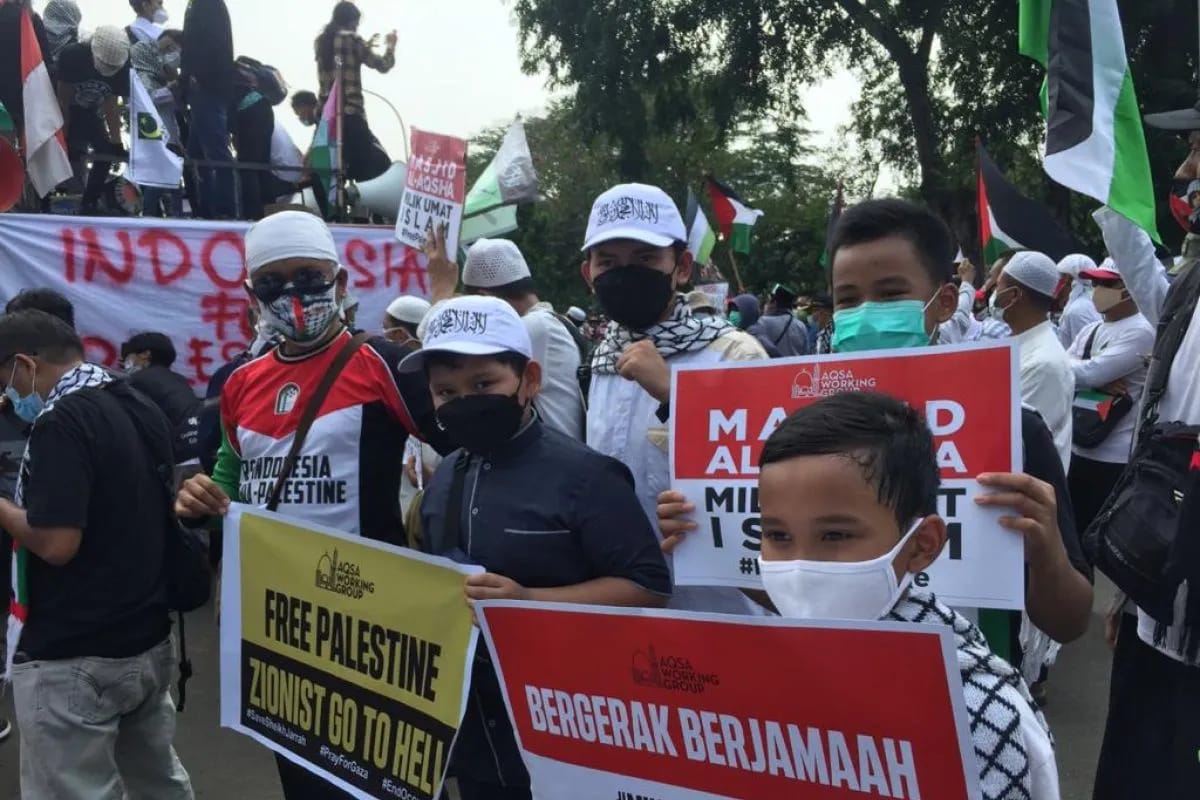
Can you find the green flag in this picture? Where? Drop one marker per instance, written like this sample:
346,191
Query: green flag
1095,144
6,121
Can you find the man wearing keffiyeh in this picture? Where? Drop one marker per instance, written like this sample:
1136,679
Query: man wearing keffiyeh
636,260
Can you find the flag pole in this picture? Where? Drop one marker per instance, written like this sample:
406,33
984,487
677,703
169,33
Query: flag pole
736,274
339,196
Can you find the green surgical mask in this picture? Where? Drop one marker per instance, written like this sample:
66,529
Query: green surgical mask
880,326
735,319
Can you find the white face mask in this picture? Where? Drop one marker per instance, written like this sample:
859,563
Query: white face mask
161,16
858,590
131,365
994,311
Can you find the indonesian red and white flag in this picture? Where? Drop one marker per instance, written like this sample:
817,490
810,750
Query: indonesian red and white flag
45,146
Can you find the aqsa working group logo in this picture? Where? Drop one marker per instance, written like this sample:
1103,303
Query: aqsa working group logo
673,673
812,382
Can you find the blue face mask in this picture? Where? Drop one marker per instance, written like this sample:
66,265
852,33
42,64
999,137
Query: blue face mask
26,408
880,326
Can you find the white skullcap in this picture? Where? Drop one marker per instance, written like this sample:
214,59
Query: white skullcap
407,308
576,314
1035,271
110,50
1074,264
492,263
288,234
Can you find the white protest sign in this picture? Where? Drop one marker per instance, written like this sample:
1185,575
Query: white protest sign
434,190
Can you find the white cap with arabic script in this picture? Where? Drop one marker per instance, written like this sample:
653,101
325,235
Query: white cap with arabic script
635,211
471,326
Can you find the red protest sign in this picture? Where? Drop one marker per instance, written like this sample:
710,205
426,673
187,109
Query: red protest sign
722,416
678,706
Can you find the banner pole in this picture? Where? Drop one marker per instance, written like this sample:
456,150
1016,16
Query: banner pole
337,170
737,276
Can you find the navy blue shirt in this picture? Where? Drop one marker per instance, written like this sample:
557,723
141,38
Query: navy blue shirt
545,510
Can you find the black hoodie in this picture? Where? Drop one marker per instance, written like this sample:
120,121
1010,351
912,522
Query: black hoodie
208,47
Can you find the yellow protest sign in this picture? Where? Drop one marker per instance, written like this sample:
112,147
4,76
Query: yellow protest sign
349,656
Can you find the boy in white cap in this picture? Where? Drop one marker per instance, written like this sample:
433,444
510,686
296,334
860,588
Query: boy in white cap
347,471
496,267
550,519
1023,297
635,261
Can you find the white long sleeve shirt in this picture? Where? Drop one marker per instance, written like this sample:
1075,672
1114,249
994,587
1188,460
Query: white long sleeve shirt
1146,279
1047,383
1119,351
1079,313
560,402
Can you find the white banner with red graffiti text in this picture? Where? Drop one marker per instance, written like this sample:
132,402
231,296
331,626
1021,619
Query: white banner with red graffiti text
184,278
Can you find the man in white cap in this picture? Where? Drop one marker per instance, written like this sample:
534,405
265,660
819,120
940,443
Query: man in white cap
1022,300
496,267
351,455
550,519
635,261
91,76
1078,312
1109,361
403,316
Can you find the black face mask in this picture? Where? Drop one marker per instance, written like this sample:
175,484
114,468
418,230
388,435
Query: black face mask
479,423
634,296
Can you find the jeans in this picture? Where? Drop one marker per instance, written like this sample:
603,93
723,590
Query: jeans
158,202
99,728
209,140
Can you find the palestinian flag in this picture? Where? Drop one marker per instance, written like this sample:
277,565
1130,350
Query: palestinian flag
1095,144
45,146
835,214
323,156
1099,402
735,217
701,239
1009,219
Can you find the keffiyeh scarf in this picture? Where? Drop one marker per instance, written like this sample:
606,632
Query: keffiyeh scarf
82,377
680,333
1004,772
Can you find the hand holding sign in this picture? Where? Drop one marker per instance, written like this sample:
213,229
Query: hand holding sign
443,273
200,496
642,362
1035,502
673,507
490,586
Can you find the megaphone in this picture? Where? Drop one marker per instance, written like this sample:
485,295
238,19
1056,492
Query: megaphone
12,176
380,196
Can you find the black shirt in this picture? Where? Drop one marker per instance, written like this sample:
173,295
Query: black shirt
171,392
88,469
11,85
77,67
1043,462
208,47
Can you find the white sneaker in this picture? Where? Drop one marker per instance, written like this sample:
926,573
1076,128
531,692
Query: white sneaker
5,729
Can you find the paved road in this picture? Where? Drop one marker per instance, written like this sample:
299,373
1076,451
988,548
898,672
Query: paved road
230,767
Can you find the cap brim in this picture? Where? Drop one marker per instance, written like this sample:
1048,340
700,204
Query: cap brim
1099,275
634,234
1184,119
415,362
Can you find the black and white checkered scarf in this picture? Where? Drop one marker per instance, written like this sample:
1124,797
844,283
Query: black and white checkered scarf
682,332
1004,772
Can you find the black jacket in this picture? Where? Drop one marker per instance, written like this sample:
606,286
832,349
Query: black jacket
208,48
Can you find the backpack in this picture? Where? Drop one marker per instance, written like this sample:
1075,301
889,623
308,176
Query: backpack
263,78
186,569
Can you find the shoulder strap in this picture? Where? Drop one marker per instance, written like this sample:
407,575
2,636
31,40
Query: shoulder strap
452,535
1173,324
786,326
1087,348
311,410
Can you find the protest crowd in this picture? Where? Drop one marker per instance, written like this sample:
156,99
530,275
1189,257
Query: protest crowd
578,464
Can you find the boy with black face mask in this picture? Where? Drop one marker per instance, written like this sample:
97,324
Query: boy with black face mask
549,518
636,260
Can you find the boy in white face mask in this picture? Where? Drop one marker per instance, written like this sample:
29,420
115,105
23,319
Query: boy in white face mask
848,491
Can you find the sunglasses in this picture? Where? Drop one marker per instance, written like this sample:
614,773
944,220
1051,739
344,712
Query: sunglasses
269,288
